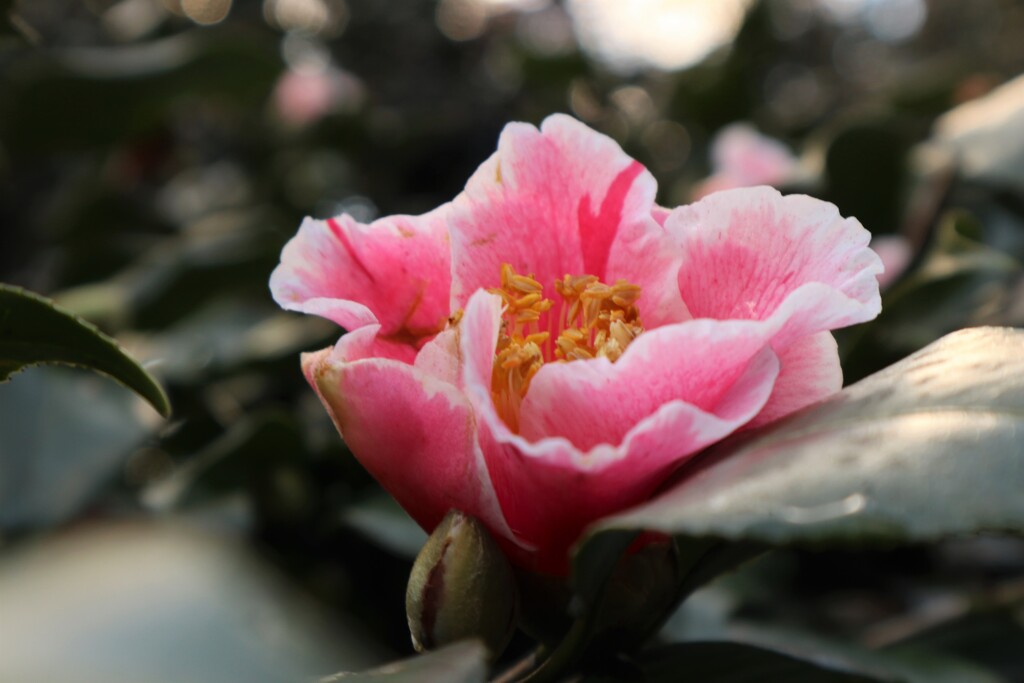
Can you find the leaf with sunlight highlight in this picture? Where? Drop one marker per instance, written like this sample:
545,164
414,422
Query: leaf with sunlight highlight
926,449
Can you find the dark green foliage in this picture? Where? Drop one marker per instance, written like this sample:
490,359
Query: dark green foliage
34,330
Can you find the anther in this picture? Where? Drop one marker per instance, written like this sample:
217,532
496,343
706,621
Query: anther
596,321
527,285
527,301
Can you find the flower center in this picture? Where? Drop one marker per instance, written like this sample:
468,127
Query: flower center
591,320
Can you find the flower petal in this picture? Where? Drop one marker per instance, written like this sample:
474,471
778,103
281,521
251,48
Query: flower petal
596,402
644,253
754,254
394,271
548,488
810,373
660,214
562,199
414,433
440,357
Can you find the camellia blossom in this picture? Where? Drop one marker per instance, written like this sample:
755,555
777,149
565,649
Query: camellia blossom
549,347
304,95
743,157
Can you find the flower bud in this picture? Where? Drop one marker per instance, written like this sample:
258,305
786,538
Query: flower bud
461,586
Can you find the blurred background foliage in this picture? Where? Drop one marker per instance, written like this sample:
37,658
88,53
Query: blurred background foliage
155,156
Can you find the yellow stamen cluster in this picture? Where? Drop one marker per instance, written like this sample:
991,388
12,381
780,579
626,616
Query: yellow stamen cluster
595,321
519,354
600,320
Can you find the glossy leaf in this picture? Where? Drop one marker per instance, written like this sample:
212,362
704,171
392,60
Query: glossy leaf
926,449
34,330
696,622
696,563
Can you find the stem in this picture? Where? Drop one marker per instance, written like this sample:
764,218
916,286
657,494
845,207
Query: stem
574,645
564,656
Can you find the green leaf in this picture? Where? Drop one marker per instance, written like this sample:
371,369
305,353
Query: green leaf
912,665
926,449
593,564
621,598
725,662
464,662
34,330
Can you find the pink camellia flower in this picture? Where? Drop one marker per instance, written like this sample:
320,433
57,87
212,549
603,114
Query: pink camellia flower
302,96
743,157
551,345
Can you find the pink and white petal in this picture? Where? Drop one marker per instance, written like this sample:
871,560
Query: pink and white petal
810,372
641,251
478,338
596,402
394,271
549,202
550,489
429,460
367,342
753,254
660,214
645,254
439,357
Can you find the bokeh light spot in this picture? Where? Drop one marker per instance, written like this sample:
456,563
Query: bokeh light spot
461,20
307,16
895,20
660,34
206,12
